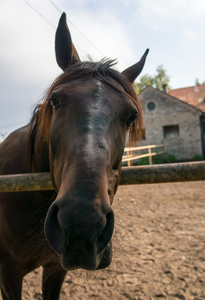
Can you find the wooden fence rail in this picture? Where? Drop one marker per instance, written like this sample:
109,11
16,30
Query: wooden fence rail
193,171
132,153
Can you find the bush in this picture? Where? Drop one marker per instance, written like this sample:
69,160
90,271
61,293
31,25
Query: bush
157,159
197,157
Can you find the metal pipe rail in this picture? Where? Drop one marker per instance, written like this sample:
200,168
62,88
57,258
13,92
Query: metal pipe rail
192,171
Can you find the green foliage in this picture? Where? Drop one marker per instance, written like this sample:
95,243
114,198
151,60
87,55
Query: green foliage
163,159
198,83
144,82
2,136
197,158
156,81
158,159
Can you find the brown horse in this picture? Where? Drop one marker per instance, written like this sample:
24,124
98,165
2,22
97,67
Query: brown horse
78,135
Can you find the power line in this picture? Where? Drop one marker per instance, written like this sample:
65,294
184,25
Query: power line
34,9
45,19
56,7
60,11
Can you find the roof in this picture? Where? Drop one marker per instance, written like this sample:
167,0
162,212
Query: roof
155,90
194,95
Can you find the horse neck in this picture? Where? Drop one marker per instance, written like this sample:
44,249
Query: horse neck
39,156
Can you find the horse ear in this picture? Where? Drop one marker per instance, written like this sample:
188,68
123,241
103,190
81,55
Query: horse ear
66,53
134,71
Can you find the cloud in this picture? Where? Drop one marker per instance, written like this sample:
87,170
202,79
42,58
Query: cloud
192,35
26,44
173,11
174,30
109,37
27,58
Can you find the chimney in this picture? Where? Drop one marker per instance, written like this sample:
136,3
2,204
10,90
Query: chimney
164,87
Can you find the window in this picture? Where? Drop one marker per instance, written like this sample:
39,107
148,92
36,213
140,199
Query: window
171,131
151,105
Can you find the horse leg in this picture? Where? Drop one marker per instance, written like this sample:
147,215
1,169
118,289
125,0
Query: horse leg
10,282
53,277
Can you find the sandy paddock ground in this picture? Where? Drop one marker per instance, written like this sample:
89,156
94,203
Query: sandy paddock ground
159,248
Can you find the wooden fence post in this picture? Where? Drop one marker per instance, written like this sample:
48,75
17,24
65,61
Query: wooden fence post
150,155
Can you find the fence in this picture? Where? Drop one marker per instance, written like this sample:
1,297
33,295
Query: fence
193,171
130,156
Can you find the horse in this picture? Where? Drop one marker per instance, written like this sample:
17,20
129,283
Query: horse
77,134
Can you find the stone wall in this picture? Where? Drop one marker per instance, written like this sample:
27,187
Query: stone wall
171,122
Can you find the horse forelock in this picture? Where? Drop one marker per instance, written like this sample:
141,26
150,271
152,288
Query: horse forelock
41,120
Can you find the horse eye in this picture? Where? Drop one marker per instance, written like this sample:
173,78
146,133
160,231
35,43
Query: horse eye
132,119
55,103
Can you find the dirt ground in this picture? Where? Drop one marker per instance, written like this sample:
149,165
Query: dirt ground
159,248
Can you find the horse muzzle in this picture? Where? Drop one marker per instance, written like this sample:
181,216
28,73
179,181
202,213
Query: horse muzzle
79,256
80,234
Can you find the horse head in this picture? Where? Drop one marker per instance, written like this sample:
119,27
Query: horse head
92,107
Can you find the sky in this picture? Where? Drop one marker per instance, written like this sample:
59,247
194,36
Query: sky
174,31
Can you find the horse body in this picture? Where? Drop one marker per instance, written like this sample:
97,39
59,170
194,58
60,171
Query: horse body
78,135
23,246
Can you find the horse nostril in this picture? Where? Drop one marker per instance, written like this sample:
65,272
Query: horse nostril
107,232
53,230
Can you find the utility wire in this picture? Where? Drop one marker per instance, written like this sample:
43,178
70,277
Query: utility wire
56,7
60,11
34,9
45,19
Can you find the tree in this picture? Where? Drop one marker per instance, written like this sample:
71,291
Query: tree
156,81
198,83
3,136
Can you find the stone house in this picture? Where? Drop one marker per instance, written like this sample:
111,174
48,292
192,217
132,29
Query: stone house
171,122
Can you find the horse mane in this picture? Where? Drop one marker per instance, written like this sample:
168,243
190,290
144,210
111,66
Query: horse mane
101,70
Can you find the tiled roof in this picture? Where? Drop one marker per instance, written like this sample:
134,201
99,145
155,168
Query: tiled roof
194,95
201,106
